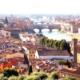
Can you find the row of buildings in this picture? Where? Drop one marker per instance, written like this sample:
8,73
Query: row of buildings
43,58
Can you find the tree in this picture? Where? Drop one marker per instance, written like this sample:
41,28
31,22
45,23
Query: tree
70,78
32,77
38,70
1,25
52,45
43,40
12,78
68,47
26,59
21,77
62,45
68,64
54,75
47,43
6,20
9,72
1,76
30,69
41,75
56,44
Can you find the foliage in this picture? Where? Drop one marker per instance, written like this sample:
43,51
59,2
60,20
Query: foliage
43,40
30,69
64,62
41,75
56,44
68,64
54,75
12,78
32,77
26,59
6,20
70,78
21,77
2,77
25,56
38,70
9,72
37,76
1,25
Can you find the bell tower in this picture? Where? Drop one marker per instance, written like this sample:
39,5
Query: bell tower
74,48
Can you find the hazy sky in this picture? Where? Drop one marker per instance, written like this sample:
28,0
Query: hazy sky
39,6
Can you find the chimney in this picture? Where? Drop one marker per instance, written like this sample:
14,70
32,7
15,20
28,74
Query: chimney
74,45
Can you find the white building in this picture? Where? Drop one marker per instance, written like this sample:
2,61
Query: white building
5,33
27,37
53,54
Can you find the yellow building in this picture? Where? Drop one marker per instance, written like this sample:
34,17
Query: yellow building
32,53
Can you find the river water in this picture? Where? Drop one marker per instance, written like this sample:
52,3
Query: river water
54,35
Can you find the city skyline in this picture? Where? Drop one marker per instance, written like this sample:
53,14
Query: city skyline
39,6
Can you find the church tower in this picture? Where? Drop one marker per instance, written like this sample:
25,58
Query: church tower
74,48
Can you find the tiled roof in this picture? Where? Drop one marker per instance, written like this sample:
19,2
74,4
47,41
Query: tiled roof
30,46
49,52
73,72
8,56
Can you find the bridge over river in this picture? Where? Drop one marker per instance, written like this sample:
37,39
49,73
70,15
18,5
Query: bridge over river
46,26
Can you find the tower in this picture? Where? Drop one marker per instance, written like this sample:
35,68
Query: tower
74,48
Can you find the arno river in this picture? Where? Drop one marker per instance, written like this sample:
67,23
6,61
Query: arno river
54,34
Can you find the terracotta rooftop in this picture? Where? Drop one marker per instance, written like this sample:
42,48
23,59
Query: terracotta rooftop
30,46
73,72
8,56
49,52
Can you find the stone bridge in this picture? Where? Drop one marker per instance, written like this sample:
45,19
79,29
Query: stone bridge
50,27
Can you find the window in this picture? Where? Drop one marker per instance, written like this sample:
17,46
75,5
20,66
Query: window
6,33
71,59
32,51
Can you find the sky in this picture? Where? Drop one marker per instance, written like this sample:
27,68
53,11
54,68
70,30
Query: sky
39,6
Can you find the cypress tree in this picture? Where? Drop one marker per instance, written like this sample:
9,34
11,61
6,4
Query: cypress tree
26,59
30,69
6,20
68,64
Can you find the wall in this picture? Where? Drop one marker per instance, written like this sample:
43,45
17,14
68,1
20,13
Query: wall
57,57
32,54
36,55
26,51
4,33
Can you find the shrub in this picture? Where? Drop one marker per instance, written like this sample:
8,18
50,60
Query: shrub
1,76
12,78
9,72
70,78
21,77
68,64
32,77
54,75
41,75
4,78
30,69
